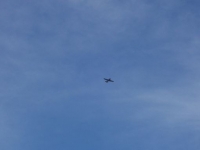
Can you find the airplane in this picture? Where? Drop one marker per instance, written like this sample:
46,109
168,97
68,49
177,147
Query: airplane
108,80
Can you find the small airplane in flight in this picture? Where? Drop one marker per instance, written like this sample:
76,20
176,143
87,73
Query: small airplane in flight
108,80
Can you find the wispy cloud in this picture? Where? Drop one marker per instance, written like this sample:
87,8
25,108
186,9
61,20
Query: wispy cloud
175,107
54,55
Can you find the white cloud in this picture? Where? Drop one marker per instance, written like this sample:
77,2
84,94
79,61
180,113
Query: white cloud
177,106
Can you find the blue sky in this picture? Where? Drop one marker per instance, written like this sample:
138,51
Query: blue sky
55,54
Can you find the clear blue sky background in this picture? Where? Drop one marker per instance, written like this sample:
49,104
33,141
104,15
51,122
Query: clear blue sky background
54,55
